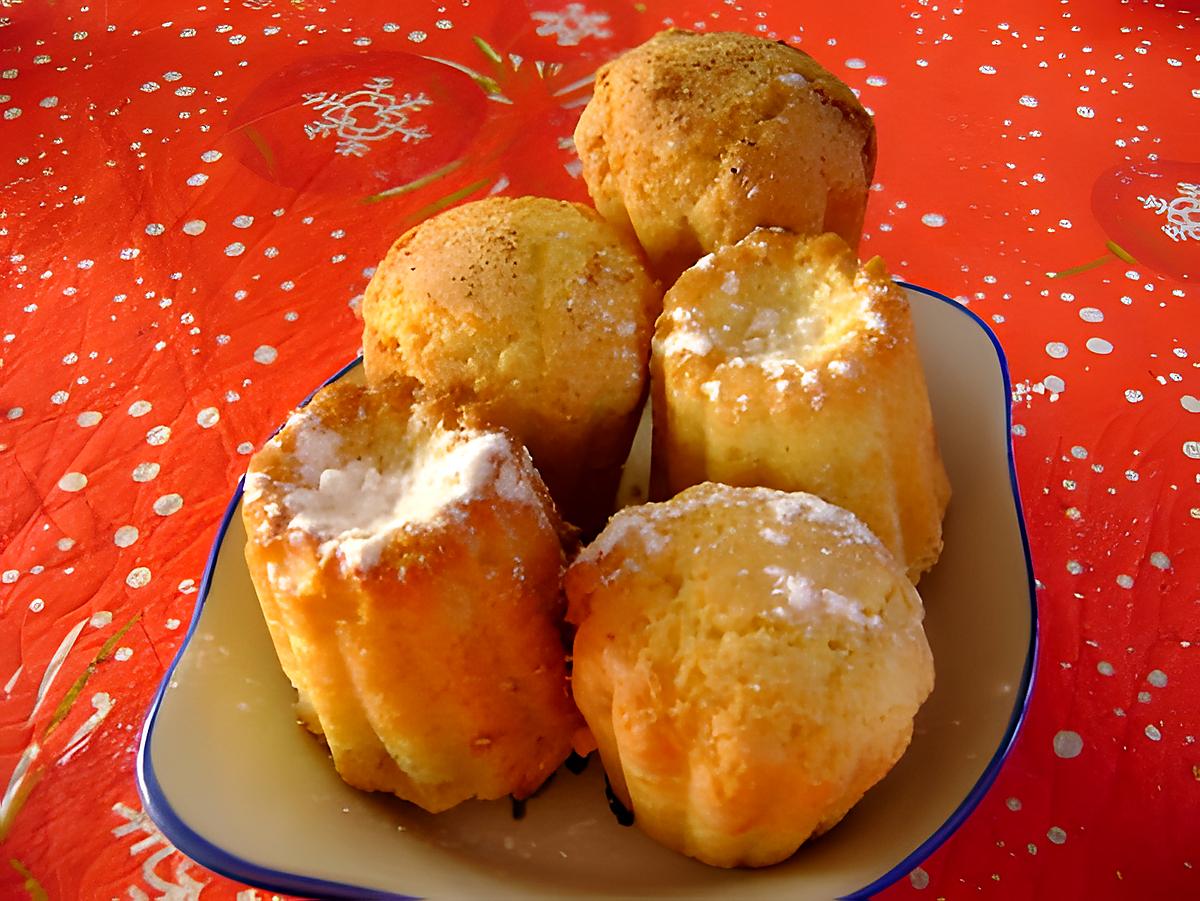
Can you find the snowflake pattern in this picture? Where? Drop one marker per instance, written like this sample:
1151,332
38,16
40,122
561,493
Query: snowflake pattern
572,24
363,116
1183,213
184,886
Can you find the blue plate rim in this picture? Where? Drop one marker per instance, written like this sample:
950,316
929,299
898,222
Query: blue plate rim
226,863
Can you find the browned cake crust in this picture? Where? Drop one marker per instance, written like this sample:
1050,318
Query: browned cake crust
408,562
691,140
538,311
780,361
749,662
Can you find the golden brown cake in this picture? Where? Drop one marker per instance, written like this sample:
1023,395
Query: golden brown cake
749,662
691,140
541,313
782,362
409,562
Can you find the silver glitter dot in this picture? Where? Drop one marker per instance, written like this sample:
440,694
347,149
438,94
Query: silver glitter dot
1057,350
125,536
265,354
934,220
1144,697
168,504
198,179
210,156
1152,733
139,577
88,418
1105,668
123,653
243,221
245,448
236,249
1056,835
1067,744
919,878
160,434
1099,346
1079,452
146,472
155,228
65,544
194,226
1125,581
73,481
1159,560
1157,678
1013,803
208,417
417,36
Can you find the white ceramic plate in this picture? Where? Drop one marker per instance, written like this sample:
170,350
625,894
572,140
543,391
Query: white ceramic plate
238,786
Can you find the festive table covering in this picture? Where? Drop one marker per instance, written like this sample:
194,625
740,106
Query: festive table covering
193,197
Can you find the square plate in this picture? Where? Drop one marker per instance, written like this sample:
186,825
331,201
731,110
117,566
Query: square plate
238,786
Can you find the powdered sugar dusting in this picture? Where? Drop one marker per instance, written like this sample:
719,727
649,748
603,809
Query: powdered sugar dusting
686,341
805,600
355,507
316,447
781,510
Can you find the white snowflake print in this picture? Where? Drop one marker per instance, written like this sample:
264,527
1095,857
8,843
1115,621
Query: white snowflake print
1183,213
182,887
366,115
572,24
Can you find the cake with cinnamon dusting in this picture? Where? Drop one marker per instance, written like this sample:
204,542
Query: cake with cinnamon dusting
693,139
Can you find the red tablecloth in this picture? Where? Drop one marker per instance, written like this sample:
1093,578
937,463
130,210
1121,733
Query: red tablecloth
180,261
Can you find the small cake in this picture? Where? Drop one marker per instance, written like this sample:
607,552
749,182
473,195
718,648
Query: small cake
409,562
539,312
691,140
781,362
749,662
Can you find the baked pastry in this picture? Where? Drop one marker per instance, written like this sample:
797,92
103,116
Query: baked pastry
692,140
409,563
541,313
780,361
749,662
